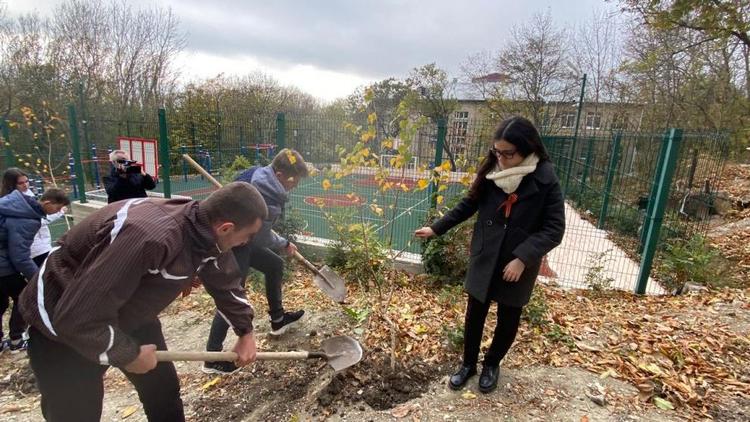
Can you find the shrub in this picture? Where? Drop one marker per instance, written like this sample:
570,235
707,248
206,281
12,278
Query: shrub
290,225
535,312
455,336
446,257
230,172
693,260
357,251
595,276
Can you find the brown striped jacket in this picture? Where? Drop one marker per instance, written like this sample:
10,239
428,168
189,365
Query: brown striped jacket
122,265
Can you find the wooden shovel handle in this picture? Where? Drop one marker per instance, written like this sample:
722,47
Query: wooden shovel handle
171,356
201,170
307,263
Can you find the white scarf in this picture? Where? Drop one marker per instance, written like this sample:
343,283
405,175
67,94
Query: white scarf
509,179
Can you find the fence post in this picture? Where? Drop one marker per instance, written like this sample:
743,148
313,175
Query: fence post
219,134
280,131
586,167
242,141
183,151
580,106
80,182
164,154
84,126
9,158
72,169
442,130
95,165
654,187
571,158
655,218
614,160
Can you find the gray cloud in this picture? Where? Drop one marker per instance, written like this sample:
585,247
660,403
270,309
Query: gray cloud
373,39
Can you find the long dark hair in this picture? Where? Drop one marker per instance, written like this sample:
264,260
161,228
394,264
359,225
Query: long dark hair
10,180
518,131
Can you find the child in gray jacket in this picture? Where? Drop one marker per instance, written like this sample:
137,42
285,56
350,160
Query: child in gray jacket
274,183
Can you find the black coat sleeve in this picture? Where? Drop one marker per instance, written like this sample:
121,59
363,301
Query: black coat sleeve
148,182
551,232
460,213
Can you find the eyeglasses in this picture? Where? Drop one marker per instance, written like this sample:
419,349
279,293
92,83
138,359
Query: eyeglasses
505,154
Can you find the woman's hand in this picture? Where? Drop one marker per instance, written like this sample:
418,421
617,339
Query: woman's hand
424,233
513,270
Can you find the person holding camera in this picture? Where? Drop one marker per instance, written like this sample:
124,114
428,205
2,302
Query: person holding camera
127,180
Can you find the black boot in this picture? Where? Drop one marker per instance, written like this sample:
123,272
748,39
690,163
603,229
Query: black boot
459,379
488,378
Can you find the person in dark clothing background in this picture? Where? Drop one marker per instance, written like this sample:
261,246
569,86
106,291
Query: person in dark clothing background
521,217
20,220
122,184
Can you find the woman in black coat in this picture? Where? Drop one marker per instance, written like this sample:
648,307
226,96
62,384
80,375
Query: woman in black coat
521,218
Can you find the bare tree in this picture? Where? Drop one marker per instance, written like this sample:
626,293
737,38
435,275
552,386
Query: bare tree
536,69
122,55
26,77
164,42
80,45
597,52
434,91
475,70
386,96
433,95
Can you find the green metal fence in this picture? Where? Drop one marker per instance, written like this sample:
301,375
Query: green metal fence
626,192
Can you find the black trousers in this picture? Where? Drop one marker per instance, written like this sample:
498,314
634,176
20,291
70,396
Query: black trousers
11,287
272,267
72,387
508,320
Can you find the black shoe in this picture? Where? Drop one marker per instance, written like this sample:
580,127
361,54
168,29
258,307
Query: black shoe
459,379
289,320
17,346
221,368
488,378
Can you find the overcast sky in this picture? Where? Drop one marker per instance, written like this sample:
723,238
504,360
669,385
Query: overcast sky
329,47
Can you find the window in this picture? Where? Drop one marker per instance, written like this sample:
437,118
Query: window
620,121
459,129
568,120
593,120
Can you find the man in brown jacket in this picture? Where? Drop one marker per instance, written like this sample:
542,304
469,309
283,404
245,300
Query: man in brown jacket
95,302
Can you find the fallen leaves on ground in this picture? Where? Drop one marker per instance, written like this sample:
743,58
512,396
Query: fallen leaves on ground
730,233
687,352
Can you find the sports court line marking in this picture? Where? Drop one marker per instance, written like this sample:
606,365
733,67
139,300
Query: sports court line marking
394,219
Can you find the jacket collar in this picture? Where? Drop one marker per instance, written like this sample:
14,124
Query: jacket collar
201,232
16,204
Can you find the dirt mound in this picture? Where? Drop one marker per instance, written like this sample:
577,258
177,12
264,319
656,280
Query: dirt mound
374,382
272,391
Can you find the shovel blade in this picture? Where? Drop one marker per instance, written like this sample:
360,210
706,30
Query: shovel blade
331,284
342,352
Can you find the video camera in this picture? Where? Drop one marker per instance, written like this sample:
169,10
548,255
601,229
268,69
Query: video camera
130,166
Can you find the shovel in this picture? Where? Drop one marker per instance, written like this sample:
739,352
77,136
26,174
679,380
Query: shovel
325,278
340,352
